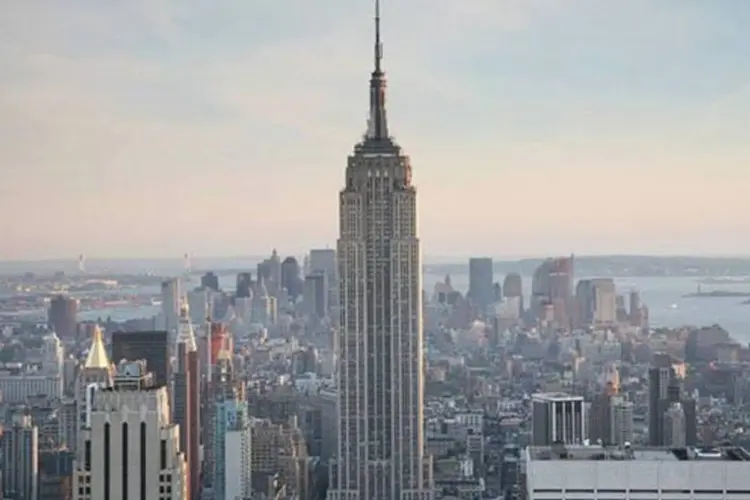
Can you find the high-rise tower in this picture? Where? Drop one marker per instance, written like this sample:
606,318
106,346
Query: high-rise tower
380,361
187,399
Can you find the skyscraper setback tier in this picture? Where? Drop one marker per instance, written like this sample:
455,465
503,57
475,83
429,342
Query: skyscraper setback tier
380,359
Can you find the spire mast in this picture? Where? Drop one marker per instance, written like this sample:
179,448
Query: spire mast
377,126
378,43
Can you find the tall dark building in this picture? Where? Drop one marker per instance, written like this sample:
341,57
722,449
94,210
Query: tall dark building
481,292
210,281
151,346
244,285
290,278
62,316
186,410
315,296
665,388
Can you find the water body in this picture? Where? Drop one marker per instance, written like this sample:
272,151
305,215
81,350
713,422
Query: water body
668,307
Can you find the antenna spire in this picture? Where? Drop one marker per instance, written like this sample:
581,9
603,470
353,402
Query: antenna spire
377,126
378,43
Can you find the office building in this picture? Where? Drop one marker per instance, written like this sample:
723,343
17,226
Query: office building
315,295
222,386
665,378
56,474
290,278
129,448
557,418
232,450
186,396
610,419
151,346
62,316
95,374
481,292
170,305
244,288
380,341
324,261
552,290
626,473
199,301
21,458
210,281
18,385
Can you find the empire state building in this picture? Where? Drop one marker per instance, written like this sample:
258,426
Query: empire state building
379,343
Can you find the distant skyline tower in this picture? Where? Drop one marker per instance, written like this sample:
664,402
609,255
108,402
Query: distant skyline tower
481,277
170,305
187,266
81,264
380,343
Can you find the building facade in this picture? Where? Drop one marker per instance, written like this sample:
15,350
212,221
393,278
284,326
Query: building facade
21,458
557,418
380,353
130,449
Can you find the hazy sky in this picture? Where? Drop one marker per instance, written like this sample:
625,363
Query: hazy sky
155,127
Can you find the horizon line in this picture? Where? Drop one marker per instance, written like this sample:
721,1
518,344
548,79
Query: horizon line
499,258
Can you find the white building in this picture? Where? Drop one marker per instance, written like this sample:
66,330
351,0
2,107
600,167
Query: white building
557,417
595,473
16,388
53,355
131,449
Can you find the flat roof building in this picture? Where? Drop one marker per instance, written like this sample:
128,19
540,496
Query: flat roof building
593,472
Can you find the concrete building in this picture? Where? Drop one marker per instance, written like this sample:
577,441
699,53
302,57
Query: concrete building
557,418
21,458
596,473
380,378
130,447
95,374
17,386
315,295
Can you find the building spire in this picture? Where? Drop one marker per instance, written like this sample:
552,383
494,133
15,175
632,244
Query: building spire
97,357
377,127
378,43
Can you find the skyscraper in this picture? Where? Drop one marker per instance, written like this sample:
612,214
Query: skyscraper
21,453
170,305
151,346
480,282
62,316
187,399
129,447
380,359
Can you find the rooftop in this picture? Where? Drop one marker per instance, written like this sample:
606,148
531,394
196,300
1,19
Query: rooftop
555,396
596,453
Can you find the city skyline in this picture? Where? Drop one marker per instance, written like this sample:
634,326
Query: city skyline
627,115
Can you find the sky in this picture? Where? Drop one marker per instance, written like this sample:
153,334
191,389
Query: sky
152,128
